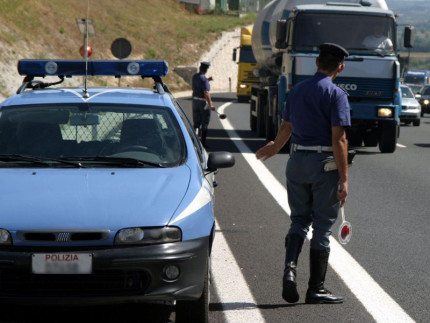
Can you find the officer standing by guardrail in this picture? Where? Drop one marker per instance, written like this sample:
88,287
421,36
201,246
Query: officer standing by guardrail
315,116
202,102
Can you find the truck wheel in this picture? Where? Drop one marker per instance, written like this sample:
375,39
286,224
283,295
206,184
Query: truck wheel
388,138
252,120
417,123
370,139
355,139
270,127
196,311
261,112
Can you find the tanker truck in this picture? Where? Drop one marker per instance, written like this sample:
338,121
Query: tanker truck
285,42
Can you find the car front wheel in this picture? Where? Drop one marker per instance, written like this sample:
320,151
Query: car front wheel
196,311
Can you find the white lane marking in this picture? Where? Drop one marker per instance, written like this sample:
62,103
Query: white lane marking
401,146
237,301
377,302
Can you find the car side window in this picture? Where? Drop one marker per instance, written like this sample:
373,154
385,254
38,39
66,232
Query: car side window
196,142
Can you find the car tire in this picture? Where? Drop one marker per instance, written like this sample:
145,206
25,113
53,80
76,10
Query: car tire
417,123
196,311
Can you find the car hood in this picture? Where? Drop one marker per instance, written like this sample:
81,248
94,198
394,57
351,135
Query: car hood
33,199
410,102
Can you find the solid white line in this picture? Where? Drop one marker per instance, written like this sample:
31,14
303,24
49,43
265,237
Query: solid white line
376,301
401,146
237,301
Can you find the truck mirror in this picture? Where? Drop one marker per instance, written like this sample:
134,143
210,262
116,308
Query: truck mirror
408,41
234,54
281,34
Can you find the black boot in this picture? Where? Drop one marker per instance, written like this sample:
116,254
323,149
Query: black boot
293,246
317,294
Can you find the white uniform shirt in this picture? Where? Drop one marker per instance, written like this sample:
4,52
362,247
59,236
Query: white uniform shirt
382,42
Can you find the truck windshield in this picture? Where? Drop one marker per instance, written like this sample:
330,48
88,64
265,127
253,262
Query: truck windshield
415,79
246,55
369,35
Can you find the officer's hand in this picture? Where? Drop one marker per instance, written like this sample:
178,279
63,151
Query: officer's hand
212,107
267,151
210,78
342,193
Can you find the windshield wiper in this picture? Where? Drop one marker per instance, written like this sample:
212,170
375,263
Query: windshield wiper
36,160
117,161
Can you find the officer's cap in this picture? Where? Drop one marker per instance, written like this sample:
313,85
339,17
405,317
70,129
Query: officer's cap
205,64
335,50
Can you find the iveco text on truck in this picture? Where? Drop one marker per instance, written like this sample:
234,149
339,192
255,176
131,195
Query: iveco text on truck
285,42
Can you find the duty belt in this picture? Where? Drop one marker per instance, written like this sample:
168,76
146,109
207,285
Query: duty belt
319,149
200,99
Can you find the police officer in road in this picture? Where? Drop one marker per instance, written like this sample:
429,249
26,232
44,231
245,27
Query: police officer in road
202,102
315,117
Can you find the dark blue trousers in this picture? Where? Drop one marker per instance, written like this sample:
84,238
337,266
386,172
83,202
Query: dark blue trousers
201,115
312,197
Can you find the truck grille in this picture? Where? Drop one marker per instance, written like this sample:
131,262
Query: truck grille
100,283
251,78
362,88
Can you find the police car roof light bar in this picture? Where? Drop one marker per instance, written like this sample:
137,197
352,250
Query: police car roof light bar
69,68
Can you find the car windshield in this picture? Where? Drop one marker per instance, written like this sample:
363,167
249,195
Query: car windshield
407,93
370,35
425,90
99,135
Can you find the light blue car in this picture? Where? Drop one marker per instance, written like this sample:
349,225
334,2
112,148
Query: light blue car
107,194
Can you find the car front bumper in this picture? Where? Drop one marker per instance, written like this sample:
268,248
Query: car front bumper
122,274
409,115
425,107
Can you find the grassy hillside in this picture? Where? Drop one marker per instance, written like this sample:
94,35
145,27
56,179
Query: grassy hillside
157,29
415,13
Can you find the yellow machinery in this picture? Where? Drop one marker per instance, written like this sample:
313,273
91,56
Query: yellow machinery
246,63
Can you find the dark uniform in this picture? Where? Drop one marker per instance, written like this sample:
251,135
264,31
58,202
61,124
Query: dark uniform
201,108
313,107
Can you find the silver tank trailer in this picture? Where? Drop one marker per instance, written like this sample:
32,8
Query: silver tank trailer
264,31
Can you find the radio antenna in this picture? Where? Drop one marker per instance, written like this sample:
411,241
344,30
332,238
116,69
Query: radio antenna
86,51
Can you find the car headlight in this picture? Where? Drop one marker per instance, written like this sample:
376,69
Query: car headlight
385,112
426,102
5,238
243,86
148,235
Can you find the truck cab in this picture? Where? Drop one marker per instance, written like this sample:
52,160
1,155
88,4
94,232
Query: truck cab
246,64
416,79
371,76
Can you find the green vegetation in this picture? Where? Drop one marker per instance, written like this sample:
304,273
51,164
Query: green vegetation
156,29
415,13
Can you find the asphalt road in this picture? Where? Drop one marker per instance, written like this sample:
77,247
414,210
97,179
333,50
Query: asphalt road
388,208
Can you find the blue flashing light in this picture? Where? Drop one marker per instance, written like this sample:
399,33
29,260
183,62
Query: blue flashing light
68,68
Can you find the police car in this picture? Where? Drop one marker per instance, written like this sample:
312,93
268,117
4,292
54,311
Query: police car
107,194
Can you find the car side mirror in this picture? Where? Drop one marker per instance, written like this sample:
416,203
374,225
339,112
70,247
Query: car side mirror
219,159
